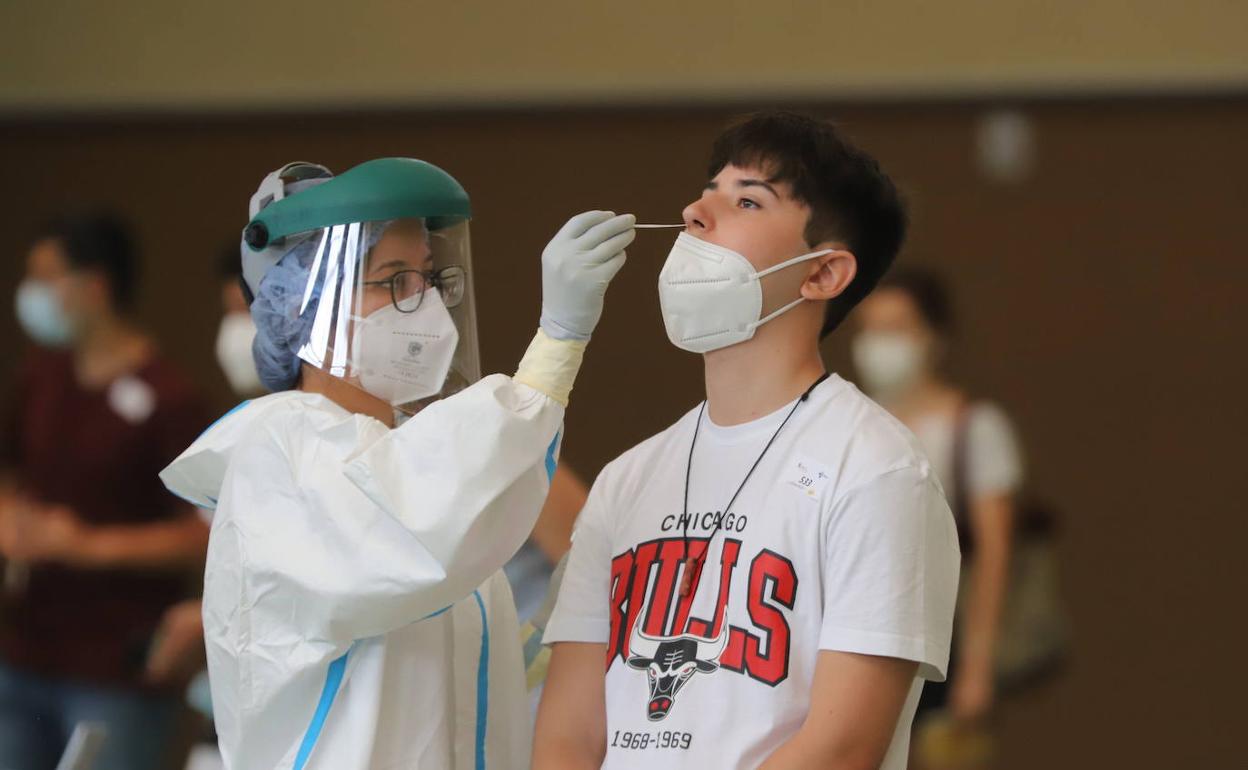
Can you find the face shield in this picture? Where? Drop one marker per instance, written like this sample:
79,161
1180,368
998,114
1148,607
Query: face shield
384,302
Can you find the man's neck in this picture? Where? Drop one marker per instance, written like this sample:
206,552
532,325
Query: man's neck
755,378
110,348
930,395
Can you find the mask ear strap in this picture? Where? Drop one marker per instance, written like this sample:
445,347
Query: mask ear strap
781,266
791,262
777,313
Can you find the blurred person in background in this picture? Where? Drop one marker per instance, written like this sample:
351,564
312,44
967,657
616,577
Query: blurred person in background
179,653
237,331
94,549
531,568
183,648
532,572
180,648
904,333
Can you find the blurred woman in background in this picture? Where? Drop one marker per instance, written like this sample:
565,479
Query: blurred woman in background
904,333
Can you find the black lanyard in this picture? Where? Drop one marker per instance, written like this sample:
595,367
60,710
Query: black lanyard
686,580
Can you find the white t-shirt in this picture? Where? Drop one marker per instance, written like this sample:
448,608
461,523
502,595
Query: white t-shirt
840,540
994,463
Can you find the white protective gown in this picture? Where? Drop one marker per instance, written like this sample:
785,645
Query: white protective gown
354,608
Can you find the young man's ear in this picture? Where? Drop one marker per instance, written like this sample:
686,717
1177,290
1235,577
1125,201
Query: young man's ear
831,275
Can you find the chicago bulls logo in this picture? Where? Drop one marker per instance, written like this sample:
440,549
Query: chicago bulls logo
671,661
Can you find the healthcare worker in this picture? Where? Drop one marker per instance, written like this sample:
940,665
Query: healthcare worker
354,607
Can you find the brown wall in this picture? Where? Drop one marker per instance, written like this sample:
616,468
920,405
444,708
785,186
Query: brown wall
1100,302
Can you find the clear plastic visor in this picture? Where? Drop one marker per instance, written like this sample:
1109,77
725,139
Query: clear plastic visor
388,307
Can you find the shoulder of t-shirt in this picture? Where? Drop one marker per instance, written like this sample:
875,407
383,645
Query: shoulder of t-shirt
988,416
633,465
993,443
860,437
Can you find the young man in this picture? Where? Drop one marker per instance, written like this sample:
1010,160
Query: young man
769,580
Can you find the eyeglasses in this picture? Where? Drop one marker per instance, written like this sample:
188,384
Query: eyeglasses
407,287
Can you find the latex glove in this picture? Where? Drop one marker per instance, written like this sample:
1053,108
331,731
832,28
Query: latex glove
577,265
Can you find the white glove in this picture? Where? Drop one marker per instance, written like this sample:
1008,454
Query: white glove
577,265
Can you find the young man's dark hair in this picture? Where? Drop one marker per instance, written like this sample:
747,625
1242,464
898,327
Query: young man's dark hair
99,242
850,198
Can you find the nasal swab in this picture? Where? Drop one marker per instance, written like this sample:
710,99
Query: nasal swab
655,227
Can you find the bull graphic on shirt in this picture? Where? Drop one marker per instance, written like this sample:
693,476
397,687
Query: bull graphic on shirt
644,584
671,661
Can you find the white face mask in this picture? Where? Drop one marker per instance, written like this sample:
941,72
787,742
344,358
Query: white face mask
234,339
40,313
711,296
404,357
889,363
